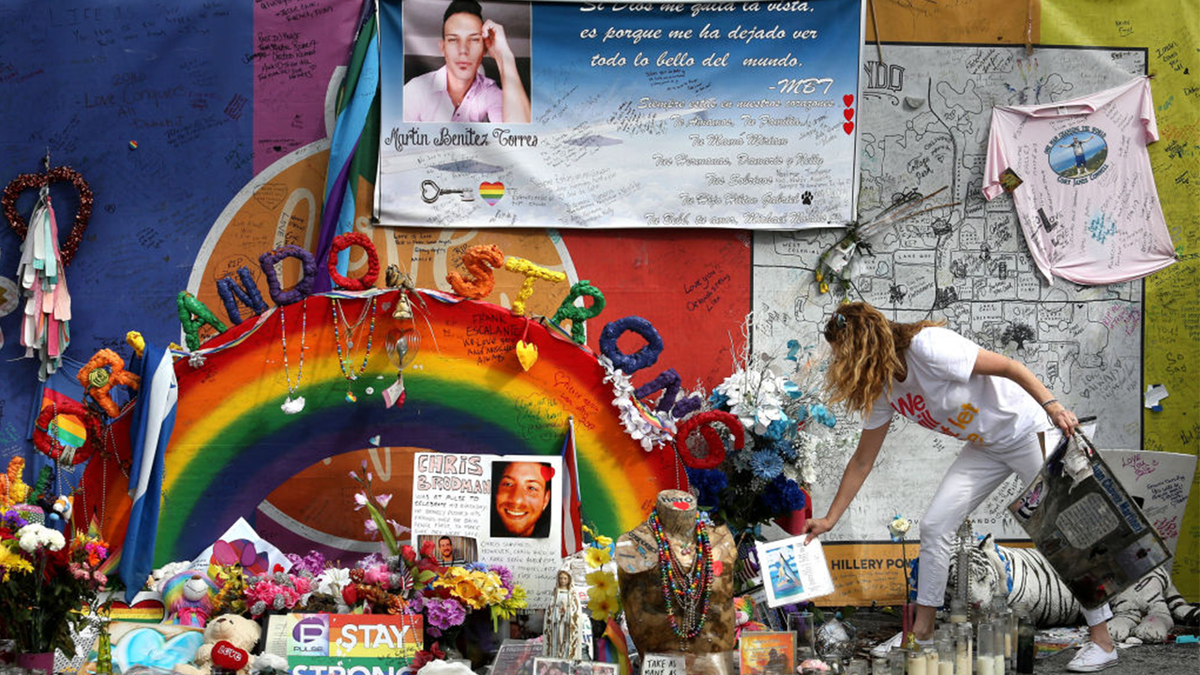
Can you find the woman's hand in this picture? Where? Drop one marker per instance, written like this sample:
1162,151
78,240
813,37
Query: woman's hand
817,527
1062,418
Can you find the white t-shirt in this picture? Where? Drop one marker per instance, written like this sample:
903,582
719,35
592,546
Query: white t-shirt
1086,199
941,394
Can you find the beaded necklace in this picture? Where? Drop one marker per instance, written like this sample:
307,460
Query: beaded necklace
688,589
339,315
291,406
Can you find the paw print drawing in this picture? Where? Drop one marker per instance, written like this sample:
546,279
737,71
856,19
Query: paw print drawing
806,198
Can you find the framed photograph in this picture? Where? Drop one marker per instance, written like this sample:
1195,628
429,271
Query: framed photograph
542,666
594,668
516,657
767,653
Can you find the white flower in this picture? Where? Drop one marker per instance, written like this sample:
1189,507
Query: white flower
33,536
332,581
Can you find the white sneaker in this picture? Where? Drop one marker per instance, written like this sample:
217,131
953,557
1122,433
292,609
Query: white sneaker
1092,657
881,650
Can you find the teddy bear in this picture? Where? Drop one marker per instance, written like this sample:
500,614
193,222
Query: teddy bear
235,629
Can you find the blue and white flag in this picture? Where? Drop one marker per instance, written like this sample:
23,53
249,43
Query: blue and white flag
153,420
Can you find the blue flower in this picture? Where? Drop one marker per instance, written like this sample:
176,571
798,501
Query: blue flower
823,415
717,400
786,450
766,463
792,389
708,485
783,495
802,414
776,429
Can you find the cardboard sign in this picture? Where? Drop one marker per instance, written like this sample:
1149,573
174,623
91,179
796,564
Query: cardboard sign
319,644
502,509
664,664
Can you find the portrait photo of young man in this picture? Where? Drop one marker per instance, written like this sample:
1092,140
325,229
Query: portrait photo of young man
474,74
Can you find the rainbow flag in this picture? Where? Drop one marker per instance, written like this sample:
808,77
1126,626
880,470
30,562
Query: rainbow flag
613,648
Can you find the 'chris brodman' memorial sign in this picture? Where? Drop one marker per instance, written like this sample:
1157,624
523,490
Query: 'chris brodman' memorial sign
586,114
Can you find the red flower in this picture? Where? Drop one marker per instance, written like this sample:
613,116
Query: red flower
6,533
350,594
427,548
426,655
409,554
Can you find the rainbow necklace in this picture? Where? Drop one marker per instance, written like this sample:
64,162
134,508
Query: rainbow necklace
687,590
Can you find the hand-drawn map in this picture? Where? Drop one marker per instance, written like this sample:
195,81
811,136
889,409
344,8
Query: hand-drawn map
925,117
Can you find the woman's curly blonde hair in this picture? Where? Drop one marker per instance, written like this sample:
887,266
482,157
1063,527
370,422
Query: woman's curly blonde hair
868,354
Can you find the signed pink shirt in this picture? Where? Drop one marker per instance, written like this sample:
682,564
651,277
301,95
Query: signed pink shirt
1084,191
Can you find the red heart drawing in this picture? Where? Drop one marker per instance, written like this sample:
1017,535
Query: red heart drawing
228,656
682,506
848,99
718,567
848,127
849,113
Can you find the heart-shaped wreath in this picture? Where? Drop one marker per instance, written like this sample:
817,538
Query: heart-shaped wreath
37,180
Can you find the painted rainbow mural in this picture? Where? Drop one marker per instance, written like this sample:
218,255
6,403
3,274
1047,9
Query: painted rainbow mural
466,392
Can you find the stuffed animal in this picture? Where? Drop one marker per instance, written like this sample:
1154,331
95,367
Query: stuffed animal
232,628
188,598
1147,610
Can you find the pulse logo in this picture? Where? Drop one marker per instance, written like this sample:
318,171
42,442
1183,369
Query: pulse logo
310,636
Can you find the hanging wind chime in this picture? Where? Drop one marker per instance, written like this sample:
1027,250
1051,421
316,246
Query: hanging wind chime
46,324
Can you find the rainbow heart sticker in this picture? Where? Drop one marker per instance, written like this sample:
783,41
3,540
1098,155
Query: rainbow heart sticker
491,192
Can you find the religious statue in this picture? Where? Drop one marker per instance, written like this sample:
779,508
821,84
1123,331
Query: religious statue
676,582
563,632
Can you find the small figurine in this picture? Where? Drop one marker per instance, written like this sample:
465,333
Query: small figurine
564,636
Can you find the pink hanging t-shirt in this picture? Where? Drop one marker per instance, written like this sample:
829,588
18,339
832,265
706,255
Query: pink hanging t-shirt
1080,177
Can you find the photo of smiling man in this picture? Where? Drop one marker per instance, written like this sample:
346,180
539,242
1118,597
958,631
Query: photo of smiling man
521,495
460,89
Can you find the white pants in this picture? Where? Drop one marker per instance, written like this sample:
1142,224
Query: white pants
969,480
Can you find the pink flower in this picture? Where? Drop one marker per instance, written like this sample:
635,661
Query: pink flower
383,500
377,575
302,584
360,498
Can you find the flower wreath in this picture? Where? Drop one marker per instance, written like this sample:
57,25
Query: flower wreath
44,441
716,445
345,241
38,180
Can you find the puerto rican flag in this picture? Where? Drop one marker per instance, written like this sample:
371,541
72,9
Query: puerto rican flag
572,518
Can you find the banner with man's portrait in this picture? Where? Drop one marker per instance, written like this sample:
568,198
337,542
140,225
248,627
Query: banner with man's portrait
492,509
587,114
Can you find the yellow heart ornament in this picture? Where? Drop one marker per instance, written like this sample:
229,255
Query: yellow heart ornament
527,354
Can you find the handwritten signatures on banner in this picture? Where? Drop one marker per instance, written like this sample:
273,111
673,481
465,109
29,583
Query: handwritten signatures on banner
700,114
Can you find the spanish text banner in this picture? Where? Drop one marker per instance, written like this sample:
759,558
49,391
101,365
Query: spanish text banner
601,115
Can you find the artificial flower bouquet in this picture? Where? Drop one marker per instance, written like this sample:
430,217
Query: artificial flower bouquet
604,599
781,405
49,585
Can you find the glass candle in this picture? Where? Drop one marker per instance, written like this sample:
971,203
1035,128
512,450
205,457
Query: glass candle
946,656
879,666
964,657
896,662
917,662
985,650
